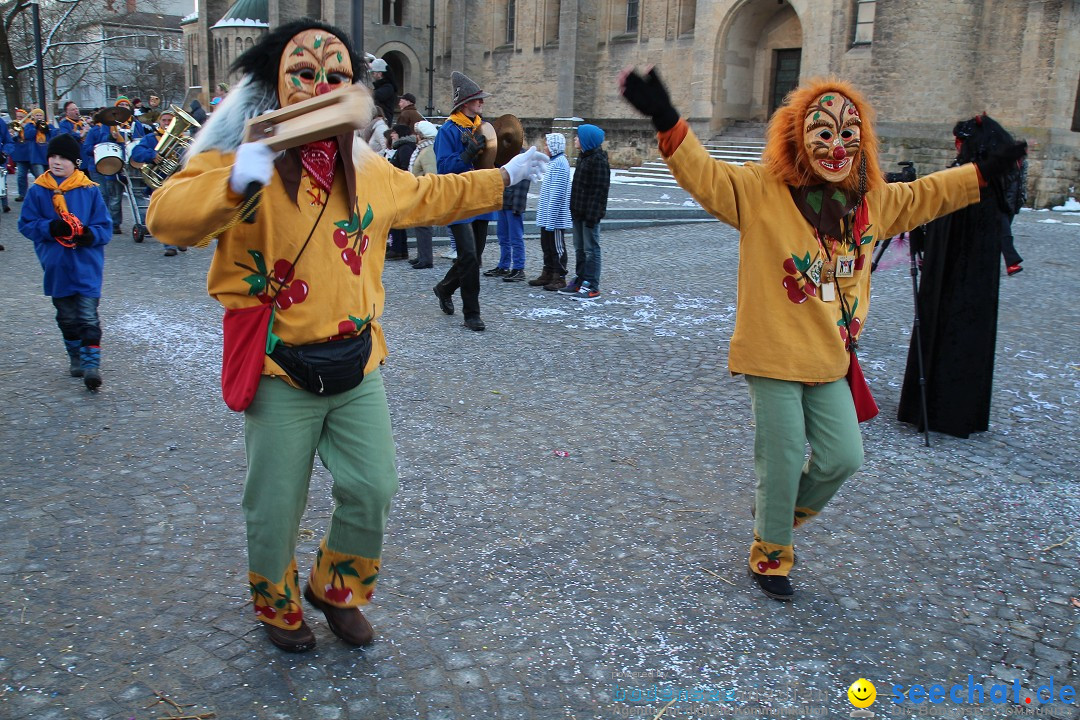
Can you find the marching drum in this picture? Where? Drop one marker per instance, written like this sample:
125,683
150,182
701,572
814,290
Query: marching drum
108,158
130,149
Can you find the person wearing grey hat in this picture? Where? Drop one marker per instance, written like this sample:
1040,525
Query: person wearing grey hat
384,89
457,147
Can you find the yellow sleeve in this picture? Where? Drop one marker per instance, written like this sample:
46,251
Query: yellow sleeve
726,191
903,206
195,202
441,199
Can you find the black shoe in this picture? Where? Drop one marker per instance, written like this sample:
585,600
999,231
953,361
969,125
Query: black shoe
117,230
496,272
445,303
397,256
422,266
7,208
295,641
778,587
413,261
92,379
475,323
170,252
514,276
19,199
181,248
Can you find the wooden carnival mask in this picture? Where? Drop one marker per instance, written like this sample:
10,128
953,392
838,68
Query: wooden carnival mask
832,134
315,62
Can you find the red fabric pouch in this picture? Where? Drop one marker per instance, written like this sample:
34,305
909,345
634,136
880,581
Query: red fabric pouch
865,406
244,332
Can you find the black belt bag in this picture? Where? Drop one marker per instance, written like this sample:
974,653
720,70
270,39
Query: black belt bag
326,368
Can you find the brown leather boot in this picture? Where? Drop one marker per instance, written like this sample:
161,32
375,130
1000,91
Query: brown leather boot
295,641
558,282
349,624
543,279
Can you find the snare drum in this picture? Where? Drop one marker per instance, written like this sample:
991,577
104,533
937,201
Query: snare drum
130,152
108,158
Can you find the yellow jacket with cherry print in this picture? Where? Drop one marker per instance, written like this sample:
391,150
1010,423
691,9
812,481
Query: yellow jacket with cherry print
337,283
783,329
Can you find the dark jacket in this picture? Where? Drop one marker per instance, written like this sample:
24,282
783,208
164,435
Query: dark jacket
385,93
588,194
516,197
403,150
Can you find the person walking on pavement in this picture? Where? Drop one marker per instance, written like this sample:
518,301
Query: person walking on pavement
553,215
385,90
65,216
146,153
403,145
588,204
305,394
457,145
808,217
510,227
423,163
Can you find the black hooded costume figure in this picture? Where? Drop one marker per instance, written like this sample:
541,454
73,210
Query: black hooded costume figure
958,299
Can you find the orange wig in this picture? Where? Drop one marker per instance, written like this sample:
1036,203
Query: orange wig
785,155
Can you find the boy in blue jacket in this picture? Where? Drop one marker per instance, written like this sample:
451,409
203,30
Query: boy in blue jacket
65,215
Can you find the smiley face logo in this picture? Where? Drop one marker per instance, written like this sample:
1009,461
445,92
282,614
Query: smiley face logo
862,693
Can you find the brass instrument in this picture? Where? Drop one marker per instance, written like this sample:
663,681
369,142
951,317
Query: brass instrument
15,127
170,149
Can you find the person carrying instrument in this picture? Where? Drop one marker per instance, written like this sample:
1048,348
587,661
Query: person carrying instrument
146,152
66,218
112,125
72,123
312,260
457,147
808,218
23,135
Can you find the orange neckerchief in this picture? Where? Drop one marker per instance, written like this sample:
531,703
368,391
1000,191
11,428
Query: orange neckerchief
76,179
460,118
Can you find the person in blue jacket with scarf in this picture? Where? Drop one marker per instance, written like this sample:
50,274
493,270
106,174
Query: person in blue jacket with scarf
457,145
22,151
65,215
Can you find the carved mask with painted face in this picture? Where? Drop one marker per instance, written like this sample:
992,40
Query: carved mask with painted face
315,62
832,131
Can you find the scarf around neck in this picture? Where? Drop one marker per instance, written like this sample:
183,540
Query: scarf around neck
461,119
319,159
73,181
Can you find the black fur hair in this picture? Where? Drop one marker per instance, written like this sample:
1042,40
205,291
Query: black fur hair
263,59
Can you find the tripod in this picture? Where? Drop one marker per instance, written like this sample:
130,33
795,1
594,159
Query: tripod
916,240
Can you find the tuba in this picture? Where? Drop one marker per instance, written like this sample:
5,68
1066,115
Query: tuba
170,149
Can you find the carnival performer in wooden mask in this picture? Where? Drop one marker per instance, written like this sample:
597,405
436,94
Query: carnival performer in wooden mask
315,256
809,216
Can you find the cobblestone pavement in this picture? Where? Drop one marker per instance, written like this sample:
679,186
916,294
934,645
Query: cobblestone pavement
573,520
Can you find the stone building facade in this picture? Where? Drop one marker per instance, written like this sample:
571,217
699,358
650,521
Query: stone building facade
923,64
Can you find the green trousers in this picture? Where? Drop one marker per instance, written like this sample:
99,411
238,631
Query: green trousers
792,487
283,429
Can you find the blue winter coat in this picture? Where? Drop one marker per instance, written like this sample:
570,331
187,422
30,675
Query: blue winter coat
66,126
68,271
20,149
146,151
6,143
39,151
449,144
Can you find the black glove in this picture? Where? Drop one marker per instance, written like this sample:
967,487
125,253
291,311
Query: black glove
475,143
59,228
1002,161
85,239
3,158
649,96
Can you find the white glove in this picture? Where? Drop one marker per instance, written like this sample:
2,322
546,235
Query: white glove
254,163
529,165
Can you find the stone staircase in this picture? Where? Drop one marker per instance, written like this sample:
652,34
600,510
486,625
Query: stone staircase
740,143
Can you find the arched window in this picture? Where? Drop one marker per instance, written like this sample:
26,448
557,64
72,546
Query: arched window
248,42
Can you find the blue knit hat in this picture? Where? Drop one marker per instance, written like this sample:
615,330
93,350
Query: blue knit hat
590,136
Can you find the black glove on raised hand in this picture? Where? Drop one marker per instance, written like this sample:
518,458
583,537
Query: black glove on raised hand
1002,161
59,228
474,145
649,96
85,239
